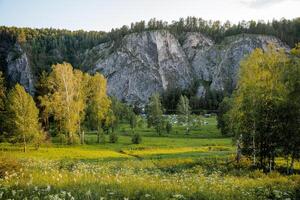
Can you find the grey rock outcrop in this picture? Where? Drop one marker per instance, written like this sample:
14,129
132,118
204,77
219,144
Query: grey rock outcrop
153,61
18,69
145,63
219,63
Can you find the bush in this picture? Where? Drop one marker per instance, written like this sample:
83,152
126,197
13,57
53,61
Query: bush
136,138
8,165
169,127
62,138
101,137
113,138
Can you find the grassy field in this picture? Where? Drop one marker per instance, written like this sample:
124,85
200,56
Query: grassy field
175,166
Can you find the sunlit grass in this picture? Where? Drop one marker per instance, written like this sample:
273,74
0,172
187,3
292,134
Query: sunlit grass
161,167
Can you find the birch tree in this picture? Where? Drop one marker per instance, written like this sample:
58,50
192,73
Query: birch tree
22,117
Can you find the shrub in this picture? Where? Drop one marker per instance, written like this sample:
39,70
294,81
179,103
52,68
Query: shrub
101,137
62,138
169,127
67,164
136,138
8,165
113,138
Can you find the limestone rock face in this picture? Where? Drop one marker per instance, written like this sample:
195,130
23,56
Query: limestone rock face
153,61
18,69
145,63
195,42
219,64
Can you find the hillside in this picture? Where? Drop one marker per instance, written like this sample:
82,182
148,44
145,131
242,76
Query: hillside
154,61
197,57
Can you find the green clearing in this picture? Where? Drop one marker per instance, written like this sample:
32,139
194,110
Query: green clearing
175,166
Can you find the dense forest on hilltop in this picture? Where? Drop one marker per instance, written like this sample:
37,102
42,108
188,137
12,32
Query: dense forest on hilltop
49,46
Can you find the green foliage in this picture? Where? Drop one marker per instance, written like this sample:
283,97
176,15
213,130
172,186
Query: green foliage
72,98
136,138
2,105
184,112
22,121
132,120
2,92
155,113
101,137
98,103
65,100
266,106
169,127
113,137
210,101
223,117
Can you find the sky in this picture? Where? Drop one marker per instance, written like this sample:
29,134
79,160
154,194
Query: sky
103,15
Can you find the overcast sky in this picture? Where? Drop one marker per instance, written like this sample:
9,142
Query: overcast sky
107,14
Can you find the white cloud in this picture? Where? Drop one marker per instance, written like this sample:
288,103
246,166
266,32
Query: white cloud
261,3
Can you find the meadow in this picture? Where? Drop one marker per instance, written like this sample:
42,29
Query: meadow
200,165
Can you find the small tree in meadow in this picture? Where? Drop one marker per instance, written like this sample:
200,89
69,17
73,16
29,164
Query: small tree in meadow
169,127
184,112
136,138
155,113
22,117
113,137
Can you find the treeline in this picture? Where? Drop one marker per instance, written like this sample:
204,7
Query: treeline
208,102
286,30
264,112
68,103
45,47
49,46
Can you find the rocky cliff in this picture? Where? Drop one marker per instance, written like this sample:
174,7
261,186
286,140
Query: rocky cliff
18,69
152,61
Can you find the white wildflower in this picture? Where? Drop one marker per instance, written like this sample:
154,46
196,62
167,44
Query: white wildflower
88,193
147,195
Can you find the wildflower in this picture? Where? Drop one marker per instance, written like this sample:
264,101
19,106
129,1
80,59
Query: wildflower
178,196
88,193
48,188
147,195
